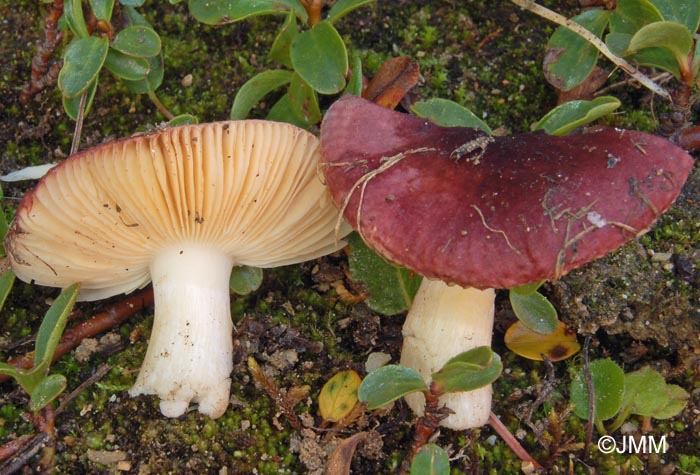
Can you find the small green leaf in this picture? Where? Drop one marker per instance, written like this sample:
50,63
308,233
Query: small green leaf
527,289
73,13
645,392
9,370
684,12
677,400
255,89
245,279
608,387
672,37
102,9
52,327
134,17
303,100
126,67
152,81
132,3
569,58
389,383
280,47
566,117
339,395
219,12
72,105
139,41
7,280
448,114
183,119
391,289
430,460
320,58
83,60
46,391
354,85
282,111
343,7
480,356
535,311
458,376
631,15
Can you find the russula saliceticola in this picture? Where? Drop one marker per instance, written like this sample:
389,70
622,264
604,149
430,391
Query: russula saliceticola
472,213
179,207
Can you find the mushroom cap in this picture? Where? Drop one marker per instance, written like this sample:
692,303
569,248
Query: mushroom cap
249,187
458,205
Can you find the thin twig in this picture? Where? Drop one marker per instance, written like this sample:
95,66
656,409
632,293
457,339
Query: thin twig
591,397
595,41
16,463
511,441
99,374
75,145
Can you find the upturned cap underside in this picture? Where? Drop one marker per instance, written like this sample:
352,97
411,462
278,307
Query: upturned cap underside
249,187
480,211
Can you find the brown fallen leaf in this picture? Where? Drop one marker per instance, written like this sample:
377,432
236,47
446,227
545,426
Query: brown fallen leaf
394,79
341,457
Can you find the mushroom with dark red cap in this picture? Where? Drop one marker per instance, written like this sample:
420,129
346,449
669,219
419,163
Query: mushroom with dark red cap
180,208
473,212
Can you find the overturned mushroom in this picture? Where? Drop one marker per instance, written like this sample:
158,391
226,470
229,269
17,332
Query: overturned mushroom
472,212
180,208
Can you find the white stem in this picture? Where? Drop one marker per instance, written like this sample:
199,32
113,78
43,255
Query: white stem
189,355
443,322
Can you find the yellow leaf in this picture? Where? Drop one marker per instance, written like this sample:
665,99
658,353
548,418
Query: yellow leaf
339,395
556,346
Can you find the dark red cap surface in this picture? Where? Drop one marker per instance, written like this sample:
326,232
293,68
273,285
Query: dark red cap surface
458,205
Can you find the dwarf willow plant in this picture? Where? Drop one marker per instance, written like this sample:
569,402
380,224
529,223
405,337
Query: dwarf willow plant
657,33
131,52
314,57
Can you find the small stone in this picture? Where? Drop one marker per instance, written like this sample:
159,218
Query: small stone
187,80
376,360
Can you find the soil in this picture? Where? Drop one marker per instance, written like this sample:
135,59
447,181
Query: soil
641,305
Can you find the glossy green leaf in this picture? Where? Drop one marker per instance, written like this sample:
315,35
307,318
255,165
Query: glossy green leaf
389,383
448,114
152,81
7,280
102,9
354,85
619,44
685,12
9,370
82,62
570,59
126,67
245,279
339,395
52,326
343,7
303,100
535,311
134,17
459,376
280,47
183,119
608,387
139,41
390,289
567,117
430,460
46,391
677,400
282,111
673,37
631,15
255,89
219,12
72,105
73,14
320,58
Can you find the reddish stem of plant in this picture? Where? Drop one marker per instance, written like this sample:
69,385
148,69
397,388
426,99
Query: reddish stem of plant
113,316
511,441
43,73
